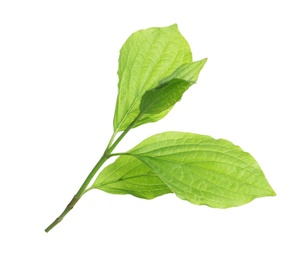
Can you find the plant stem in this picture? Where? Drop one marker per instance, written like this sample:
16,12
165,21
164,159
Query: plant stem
110,150
78,195
118,154
102,160
111,140
65,212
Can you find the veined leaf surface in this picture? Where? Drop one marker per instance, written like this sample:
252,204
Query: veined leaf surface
128,175
146,57
159,100
204,170
189,71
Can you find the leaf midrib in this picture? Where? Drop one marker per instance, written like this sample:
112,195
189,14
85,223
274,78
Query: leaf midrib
184,164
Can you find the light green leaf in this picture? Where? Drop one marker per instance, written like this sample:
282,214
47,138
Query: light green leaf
204,170
188,71
127,175
170,90
146,57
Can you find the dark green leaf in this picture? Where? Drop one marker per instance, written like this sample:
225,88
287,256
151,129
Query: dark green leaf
170,90
159,99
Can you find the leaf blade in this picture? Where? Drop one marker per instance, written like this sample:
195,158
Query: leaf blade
146,57
203,170
188,71
161,99
127,175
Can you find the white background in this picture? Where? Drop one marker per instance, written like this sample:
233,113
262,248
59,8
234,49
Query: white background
58,85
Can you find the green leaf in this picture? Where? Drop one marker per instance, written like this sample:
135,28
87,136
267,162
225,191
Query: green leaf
204,170
146,57
127,175
188,71
160,99
170,90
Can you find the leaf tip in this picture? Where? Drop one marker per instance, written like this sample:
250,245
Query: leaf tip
203,62
270,191
273,193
